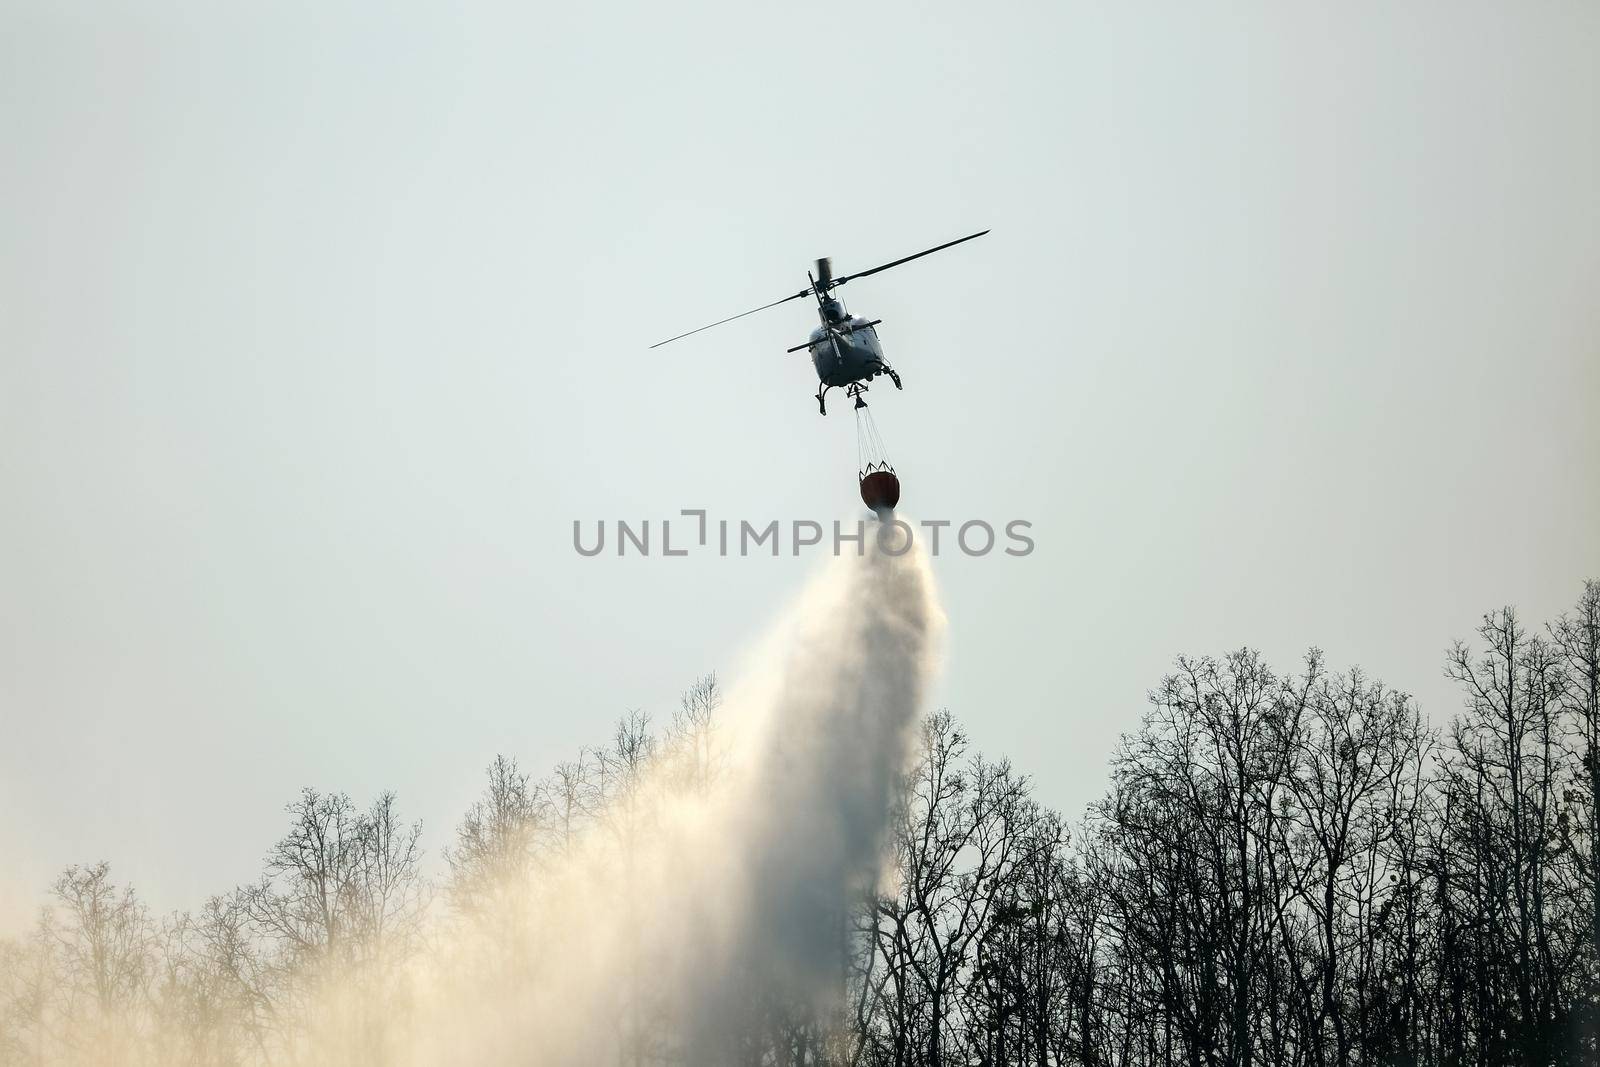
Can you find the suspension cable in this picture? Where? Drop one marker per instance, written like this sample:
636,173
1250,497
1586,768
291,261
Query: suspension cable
871,453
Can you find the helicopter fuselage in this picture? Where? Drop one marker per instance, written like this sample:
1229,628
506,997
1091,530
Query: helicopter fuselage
845,348
850,352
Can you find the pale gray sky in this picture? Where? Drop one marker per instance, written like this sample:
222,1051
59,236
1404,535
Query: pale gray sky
320,323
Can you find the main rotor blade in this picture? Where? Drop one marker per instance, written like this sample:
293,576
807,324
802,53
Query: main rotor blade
907,259
730,318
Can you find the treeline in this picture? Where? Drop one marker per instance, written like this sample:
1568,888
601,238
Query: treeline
1286,868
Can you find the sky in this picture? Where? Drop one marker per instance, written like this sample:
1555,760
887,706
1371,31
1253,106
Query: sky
320,325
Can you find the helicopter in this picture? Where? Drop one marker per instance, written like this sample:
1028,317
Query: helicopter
844,348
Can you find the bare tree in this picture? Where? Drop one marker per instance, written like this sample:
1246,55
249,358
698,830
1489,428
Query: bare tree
1577,640
494,861
1190,828
1510,776
691,739
628,818
106,942
958,833
342,903
1357,753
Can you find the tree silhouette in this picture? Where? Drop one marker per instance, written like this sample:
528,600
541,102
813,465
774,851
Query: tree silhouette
1285,868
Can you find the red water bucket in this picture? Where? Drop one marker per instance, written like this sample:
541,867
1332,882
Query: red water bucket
880,490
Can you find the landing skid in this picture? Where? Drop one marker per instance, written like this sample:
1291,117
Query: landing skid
855,389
